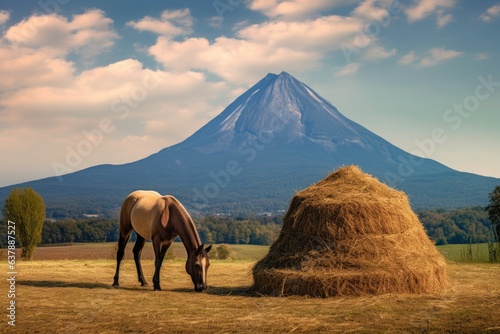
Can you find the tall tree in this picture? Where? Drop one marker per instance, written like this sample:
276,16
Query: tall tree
25,207
494,211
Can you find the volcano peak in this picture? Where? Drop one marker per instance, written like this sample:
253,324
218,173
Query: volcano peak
302,114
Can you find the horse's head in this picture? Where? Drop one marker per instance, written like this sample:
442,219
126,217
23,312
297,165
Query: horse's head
197,267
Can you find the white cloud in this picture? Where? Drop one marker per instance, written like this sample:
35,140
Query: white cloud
267,47
294,8
491,13
88,34
423,8
407,59
433,57
378,52
292,40
322,33
438,55
349,69
23,67
4,16
171,23
299,9
373,10
443,19
235,60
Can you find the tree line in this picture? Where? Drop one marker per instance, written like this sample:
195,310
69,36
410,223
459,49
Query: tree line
26,208
212,229
255,231
443,226
460,226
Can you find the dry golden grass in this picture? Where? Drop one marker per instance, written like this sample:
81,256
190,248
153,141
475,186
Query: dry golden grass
75,296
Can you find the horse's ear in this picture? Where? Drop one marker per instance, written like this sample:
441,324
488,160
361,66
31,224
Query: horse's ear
208,248
198,251
165,217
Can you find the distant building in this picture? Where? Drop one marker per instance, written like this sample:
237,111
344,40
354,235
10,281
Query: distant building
91,215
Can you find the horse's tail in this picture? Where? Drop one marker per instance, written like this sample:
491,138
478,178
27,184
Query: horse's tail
125,211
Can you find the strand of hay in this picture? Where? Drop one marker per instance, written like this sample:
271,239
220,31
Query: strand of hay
349,234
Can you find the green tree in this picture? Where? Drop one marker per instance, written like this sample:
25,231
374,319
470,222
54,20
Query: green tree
223,252
25,207
494,211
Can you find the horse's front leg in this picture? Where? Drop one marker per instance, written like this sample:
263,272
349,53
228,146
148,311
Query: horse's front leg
164,250
157,246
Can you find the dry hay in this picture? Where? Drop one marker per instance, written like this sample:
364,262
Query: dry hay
350,234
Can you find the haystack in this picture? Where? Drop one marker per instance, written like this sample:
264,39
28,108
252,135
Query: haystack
350,234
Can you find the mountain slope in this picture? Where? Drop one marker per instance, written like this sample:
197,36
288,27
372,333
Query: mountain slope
278,137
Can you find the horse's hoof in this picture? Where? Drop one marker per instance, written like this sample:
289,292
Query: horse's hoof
157,289
144,284
115,285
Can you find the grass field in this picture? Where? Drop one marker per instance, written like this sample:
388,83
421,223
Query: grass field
459,253
58,294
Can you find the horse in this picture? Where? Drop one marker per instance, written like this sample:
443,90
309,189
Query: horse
160,219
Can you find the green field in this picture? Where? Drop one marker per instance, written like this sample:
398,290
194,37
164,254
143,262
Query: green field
68,290
460,253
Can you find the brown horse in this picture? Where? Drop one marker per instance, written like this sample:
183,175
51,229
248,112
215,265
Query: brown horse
161,219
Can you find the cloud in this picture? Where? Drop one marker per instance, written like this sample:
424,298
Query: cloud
373,10
438,55
433,57
300,9
271,46
87,34
349,69
171,23
235,60
407,59
443,19
27,67
257,49
423,8
491,13
378,52
4,16
293,8
325,33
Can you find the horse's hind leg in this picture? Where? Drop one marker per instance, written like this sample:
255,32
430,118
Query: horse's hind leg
122,243
139,245
125,229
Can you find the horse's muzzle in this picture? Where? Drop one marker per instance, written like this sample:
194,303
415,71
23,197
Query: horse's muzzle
199,287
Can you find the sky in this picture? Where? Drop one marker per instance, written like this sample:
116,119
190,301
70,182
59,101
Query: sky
85,83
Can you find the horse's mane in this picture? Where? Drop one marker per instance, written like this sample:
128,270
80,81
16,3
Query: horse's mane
187,217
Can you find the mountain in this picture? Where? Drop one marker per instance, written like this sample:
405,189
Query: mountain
276,138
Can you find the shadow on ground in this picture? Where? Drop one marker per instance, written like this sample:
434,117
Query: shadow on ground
82,285
243,291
